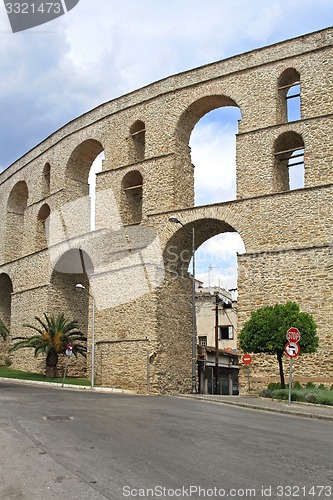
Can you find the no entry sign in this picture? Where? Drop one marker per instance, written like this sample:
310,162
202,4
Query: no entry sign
247,359
292,349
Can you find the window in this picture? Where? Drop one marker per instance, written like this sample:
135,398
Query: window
289,158
132,185
203,341
137,142
289,89
226,332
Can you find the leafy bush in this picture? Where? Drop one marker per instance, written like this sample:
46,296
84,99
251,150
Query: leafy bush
273,386
266,393
297,385
8,362
331,388
310,385
310,398
280,394
321,387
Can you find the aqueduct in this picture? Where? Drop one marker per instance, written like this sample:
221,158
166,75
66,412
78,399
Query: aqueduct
130,262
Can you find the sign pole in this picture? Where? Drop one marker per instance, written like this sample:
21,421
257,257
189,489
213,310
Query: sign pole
290,379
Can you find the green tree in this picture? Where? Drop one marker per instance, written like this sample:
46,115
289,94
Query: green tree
52,336
4,332
266,330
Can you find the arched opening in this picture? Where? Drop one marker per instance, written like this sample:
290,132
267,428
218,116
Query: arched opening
80,171
213,154
42,227
289,161
132,192
74,267
137,142
16,207
207,157
216,247
289,88
6,290
46,181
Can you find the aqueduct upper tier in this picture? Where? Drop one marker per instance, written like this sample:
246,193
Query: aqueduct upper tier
126,262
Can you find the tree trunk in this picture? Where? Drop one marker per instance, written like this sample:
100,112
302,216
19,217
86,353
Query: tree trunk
51,364
279,354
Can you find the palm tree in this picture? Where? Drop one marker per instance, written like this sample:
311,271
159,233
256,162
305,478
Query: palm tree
4,332
53,335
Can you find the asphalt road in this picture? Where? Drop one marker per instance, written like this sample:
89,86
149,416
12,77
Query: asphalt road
59,444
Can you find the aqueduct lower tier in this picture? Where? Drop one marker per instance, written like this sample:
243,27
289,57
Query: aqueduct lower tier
132,262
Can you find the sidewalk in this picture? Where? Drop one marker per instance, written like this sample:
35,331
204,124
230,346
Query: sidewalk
307,410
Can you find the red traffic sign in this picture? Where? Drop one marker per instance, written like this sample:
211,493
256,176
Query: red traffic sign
69,347
247,359
292,349
293,335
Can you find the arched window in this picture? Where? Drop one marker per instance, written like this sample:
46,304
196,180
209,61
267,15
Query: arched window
289,89
16,207
42,227
137,142
132,186
289,161
46,180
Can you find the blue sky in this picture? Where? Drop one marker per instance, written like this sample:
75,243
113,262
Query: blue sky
104,48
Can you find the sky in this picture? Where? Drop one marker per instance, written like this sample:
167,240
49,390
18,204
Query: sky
102,49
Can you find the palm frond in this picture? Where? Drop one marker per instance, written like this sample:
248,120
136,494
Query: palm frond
4,332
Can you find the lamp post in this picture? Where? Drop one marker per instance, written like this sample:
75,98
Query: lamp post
81,287
194,329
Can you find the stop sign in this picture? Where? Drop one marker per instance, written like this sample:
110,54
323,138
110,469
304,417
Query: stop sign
293,335
247,359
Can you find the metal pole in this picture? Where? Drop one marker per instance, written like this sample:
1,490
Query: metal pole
148,373
93,343
290,379
216,343
194,326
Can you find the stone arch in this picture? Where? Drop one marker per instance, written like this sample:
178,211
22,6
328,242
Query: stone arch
289,153
137,142
6,290
73,267
132,193
42,226
77,209
46,180
15,218
175,294
289,103
185,125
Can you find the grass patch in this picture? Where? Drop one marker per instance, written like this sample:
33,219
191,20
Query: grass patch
7,372
315,395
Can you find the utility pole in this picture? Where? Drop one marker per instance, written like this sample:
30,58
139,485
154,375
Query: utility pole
216,342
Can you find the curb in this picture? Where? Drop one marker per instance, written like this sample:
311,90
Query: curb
270,409
58,385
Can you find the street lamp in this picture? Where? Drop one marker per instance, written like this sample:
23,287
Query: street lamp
81,287
175,220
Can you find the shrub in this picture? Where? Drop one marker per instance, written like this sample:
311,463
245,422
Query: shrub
310,385
266,393
310,398
297,385
280,394
273,386
321,387
331,388
8,362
